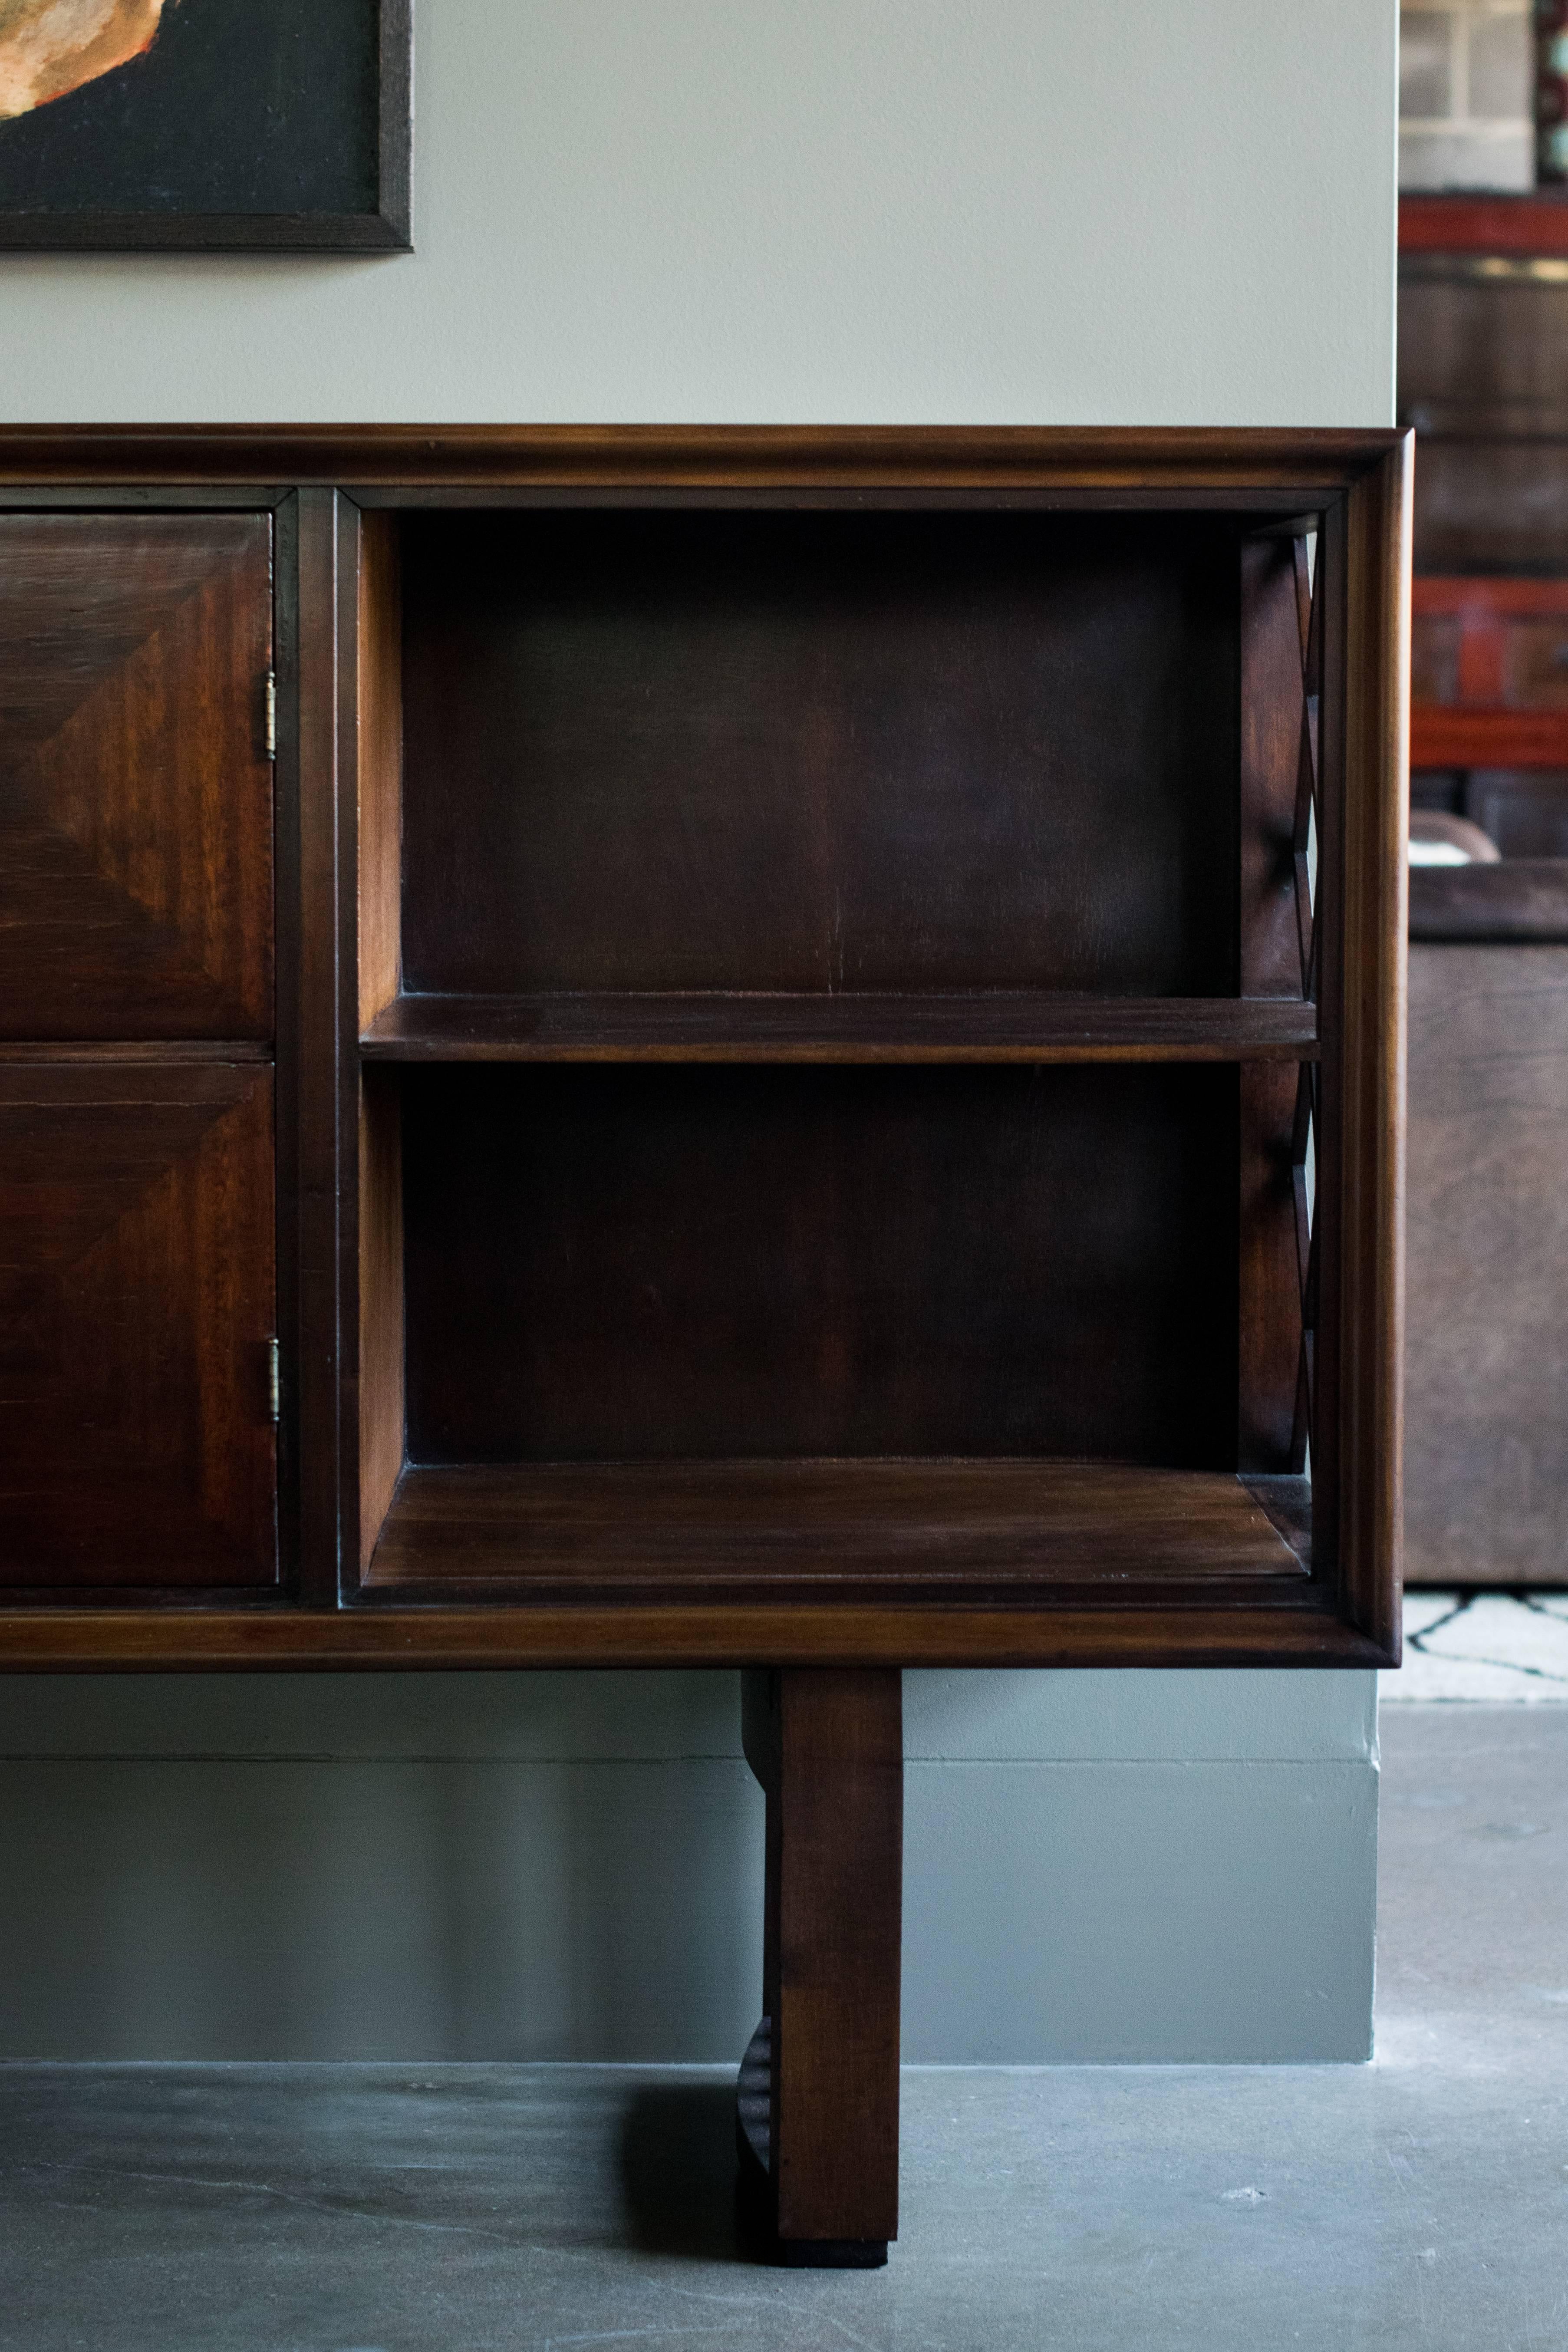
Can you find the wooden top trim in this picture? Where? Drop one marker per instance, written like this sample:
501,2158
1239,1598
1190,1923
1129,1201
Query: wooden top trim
692,457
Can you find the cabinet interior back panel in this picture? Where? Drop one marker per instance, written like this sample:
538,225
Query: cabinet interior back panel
613,1263
822,752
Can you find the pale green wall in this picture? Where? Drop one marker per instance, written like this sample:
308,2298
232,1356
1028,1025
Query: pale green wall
1159,212
855,210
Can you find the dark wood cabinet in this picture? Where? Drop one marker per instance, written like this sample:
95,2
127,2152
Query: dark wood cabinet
835,1036
838,1029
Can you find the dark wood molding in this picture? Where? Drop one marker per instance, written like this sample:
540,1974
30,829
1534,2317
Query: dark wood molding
1254,466
1370,950
1307,1631
323,605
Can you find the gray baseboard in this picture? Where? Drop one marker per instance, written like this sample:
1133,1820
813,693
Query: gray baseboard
1130,1867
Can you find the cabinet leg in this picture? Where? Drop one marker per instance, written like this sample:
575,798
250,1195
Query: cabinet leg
818,2095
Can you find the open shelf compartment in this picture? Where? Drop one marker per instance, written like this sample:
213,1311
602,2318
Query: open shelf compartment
759,1330
838,1029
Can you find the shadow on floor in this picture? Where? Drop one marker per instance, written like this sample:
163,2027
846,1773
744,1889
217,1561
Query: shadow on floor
679,2173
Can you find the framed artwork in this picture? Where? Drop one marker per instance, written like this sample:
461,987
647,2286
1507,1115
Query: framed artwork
188,124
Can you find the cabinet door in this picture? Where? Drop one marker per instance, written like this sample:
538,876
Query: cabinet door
135,785
137,1445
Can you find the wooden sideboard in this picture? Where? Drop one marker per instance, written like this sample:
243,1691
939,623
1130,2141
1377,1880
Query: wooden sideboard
774,1048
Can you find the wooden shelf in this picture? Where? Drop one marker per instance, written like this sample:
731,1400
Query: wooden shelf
982,1026
690,1529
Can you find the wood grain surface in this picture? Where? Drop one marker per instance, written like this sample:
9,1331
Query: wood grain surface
835,1856
135,789
1275,743
951,1529
978,1025
1362,1155
136,1304
1300,1625
1275,469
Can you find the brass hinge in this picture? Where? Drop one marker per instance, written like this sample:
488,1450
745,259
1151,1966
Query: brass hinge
274,1382
269,705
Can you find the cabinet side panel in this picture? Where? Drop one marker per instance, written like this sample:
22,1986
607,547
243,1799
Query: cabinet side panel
1272,722
380,1303
379,704
1375,896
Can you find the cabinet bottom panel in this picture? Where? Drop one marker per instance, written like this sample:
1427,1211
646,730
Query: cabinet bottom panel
933,1529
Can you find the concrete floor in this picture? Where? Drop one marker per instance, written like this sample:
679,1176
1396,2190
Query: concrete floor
1421,2201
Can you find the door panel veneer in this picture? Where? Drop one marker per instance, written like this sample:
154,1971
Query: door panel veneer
135,787
137,1447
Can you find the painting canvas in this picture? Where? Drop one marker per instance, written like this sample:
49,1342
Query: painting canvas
204,123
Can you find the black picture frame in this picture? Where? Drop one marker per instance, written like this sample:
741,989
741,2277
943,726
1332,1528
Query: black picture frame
375,121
